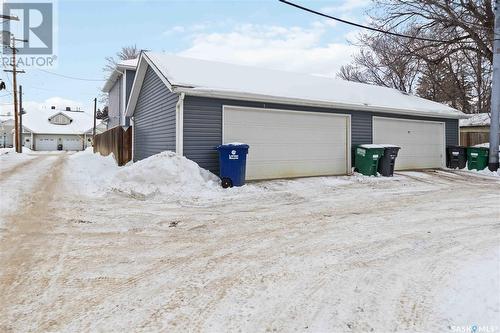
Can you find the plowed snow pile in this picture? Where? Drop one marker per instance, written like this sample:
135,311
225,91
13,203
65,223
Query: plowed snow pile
166,173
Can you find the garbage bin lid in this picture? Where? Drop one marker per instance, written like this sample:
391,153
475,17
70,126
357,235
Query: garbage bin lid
234,144
388,145
371,145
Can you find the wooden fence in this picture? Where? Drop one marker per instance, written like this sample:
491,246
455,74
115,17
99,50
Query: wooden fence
473,138
116,141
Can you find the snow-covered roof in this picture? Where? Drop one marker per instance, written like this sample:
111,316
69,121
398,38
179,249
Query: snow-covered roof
37,121
478,119
130,64
4,116
215,79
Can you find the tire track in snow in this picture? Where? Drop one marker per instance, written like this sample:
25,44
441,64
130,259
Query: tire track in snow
26,236
225,261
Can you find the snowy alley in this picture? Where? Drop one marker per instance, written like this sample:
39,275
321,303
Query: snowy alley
88,246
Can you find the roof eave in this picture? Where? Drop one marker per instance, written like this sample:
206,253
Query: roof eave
110,81
303,102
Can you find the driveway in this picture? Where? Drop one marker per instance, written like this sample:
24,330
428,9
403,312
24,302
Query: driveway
330,254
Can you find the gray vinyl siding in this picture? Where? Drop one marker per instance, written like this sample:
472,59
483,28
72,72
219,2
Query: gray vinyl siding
114,104
203,125
154,118
129,80
452,132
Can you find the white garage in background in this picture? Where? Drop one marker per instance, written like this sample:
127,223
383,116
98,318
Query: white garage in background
287,143
46,142
423,143
46,129
73,142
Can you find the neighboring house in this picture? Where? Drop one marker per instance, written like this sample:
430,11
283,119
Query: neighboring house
6,136
51,129
475,130
118,87
296,124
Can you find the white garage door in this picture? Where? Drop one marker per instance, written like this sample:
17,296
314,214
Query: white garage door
72,143
289,143
422,142
46,142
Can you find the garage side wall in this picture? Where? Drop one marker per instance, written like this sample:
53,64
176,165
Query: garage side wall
154,118
114,104
203,126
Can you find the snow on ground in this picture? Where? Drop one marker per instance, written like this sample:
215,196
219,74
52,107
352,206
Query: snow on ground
92,172
9,158
18,178
159,246
172,177
167,174
472,297
485,171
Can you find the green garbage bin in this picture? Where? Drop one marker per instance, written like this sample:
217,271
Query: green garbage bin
366,158
477,158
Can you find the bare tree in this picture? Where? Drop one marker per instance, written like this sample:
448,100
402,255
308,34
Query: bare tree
382,63
455,69
126,53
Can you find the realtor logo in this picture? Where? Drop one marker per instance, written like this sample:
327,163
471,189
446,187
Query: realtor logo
35,24
29,27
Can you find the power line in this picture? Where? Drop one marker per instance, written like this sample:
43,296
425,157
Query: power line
69,77
365,26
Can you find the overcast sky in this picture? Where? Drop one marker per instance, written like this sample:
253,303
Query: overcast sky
261,33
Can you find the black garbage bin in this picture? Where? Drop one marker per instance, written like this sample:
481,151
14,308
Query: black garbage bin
456,157
387,162
60,147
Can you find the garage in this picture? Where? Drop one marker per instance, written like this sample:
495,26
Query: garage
422,142
296,125
287,144
72,143
46,142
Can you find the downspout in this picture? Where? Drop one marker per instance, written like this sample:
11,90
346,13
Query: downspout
179,125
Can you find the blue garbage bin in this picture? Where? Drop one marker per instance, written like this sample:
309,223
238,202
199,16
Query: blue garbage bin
232,164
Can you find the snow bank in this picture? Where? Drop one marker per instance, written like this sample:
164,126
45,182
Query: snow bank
166,173
4,151
9,158
169,176
486,172
91,173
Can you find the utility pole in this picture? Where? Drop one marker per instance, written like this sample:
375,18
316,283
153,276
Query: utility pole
14,83
95,115
21,116
495,94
